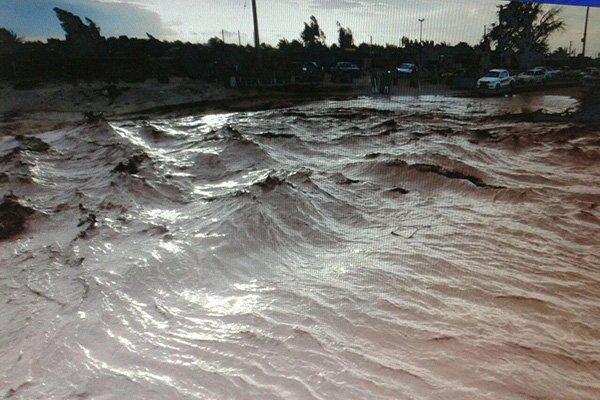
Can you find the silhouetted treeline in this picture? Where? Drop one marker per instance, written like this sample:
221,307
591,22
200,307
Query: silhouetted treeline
135,60
85,54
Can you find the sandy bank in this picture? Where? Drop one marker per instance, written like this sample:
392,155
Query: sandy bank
140,97
52,106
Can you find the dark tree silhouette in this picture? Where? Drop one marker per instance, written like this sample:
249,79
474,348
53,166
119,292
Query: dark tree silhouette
215,42
345,38
8,37
312,35
83,40
524,29
93,28
86,55
561,52
75,28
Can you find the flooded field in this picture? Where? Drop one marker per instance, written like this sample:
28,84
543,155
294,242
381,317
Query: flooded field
393,248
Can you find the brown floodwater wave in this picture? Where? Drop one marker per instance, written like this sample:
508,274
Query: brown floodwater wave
403,248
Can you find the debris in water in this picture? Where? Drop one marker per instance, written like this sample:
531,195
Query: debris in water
91,218
343,180
270,183
132,166
273,135
399,190
411,235
91,221
32,144
93,117
451,174
13,217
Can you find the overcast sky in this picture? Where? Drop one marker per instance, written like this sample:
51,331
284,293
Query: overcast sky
198,20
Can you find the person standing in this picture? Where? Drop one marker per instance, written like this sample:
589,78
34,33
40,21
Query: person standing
414,78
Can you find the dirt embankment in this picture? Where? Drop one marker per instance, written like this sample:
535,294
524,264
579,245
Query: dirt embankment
49,106
140,97
590,107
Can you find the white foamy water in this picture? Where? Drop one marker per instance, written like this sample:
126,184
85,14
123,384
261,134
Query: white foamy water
369,249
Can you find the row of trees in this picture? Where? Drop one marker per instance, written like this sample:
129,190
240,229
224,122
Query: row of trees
523,31
519,37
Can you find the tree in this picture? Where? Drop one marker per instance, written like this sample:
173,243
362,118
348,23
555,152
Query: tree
75,28
8,37
561,52
215,42
93,28
9,43
312,35
282,44
524,30
83,40
345,39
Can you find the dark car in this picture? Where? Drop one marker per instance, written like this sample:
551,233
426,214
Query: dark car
310,72
344,71
407,69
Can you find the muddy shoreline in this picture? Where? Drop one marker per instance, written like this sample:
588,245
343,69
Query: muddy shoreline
53,106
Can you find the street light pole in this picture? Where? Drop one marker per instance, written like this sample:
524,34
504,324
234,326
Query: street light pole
570,48
421,35
256,38
584,40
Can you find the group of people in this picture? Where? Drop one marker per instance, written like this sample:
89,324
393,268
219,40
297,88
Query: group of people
383,80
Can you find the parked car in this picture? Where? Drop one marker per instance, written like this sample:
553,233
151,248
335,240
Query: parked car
344,71
496,79
310,72
532,77
406,69
589,71
550,73
570,74
592,79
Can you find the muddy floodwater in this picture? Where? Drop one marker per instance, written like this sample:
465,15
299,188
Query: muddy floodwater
404,248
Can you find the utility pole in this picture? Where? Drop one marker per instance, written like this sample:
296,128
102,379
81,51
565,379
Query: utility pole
256,38
421,42
223,35
239,39
371,40
584,40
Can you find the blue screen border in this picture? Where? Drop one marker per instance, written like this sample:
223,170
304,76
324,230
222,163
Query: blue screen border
589,3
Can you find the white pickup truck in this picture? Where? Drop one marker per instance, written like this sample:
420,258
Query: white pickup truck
496,80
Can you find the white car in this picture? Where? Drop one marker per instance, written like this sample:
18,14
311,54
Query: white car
548,72
532,77
496,79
